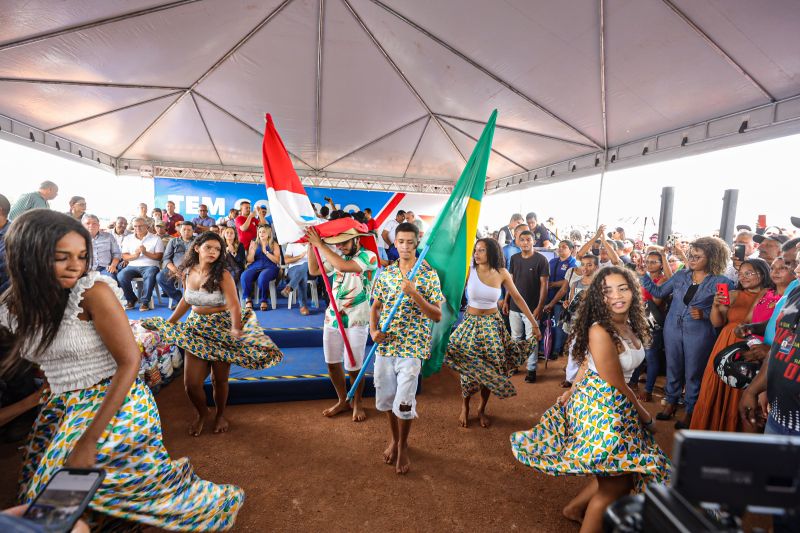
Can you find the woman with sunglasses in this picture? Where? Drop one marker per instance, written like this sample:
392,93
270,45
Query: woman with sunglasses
688,331
718,405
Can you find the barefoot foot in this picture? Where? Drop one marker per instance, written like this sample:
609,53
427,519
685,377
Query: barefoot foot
196,427
485,420
403,463
340,407
572,514
390,454
359,415
463,418
221,425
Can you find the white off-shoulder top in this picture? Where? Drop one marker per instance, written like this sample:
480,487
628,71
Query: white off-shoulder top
78,357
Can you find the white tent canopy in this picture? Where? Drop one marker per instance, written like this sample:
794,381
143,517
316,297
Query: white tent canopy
393,93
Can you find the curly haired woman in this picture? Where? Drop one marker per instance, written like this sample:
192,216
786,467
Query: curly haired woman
599,427
688,332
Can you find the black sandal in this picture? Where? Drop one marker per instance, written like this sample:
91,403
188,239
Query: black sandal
667,414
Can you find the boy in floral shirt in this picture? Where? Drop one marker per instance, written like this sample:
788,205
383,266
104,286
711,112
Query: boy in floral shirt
352,273
406,343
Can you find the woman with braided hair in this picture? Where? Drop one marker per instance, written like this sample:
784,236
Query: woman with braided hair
599,427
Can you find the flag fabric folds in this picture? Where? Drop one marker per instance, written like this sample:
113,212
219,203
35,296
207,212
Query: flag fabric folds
289,205
451,240
346,225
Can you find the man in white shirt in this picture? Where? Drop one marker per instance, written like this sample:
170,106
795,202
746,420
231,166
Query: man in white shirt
143,251
295,256
387,235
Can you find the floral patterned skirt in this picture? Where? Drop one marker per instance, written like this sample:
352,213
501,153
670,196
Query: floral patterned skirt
142,483
208,337
483,352
597,432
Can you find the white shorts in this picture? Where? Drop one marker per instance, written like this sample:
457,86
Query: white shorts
396,381
335,352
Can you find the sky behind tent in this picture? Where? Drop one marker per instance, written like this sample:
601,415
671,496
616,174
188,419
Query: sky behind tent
765,174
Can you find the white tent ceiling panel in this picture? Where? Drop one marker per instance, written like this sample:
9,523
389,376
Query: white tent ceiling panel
678,73
20,19
536,37
435,157
113,133
448,83
178,135
393,151
274,72
645,43
169,48
237,144
48,106
498,164
358,84
764,38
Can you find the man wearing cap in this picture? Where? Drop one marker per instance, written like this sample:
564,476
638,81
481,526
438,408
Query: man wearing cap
769,246
388,234
161,232
353,272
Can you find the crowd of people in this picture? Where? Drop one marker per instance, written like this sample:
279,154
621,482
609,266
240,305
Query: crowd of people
719,320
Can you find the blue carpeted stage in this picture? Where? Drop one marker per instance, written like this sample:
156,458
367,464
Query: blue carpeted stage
302,375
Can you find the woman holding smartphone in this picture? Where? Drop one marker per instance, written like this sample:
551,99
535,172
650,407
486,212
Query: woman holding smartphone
97,413
717,407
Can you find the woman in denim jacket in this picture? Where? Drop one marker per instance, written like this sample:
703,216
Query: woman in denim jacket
688,332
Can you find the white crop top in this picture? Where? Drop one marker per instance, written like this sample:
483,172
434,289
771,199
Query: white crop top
78,357
480,295
630,359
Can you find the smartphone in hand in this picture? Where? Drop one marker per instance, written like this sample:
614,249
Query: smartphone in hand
738,252
724,294
62,502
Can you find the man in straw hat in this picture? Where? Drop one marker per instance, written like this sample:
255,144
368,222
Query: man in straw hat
353,269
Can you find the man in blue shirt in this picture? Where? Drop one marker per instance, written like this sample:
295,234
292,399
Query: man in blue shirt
511,248
559,265
202,222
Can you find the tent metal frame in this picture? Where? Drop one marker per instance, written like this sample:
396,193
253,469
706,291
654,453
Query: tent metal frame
781,115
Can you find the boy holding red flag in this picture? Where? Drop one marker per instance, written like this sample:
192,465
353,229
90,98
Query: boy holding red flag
352,273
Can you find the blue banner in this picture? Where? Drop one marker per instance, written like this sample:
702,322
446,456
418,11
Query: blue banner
220,197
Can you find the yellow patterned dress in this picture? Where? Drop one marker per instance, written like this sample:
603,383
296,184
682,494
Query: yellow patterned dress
597,432
142,484
208,337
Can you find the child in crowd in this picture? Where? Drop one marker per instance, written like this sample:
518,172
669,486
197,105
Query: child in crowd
406,343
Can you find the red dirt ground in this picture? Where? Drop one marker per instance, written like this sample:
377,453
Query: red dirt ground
303,472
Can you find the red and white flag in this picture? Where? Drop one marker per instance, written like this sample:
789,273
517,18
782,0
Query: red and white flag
289,205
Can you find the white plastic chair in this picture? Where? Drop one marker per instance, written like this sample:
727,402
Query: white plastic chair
314,296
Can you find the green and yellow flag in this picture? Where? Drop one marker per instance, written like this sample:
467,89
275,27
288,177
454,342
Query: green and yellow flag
451,241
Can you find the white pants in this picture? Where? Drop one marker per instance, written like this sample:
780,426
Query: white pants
572,366
521,328
335,352
396,381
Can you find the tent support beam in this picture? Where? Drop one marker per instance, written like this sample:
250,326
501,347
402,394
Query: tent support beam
402,75
245,124
373,141
485,70
93,84
718,49
318,110
123,108
603,76
416,146
465,134
94,24
205,126
518,130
